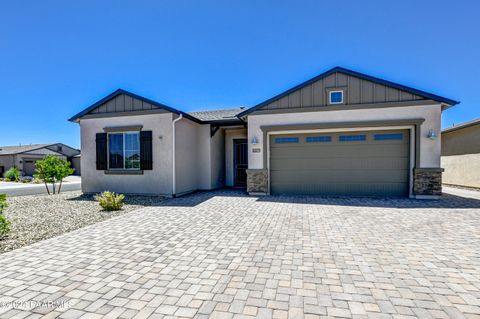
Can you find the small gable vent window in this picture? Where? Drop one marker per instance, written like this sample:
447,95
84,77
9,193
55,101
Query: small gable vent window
336,97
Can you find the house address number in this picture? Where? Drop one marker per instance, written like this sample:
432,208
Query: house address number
255,150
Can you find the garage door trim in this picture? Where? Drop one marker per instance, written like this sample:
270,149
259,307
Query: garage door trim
413,156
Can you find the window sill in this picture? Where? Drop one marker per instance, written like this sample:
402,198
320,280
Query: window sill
123,172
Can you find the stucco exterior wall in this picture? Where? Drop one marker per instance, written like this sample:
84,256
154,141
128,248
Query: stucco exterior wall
217,158
203,157
230,135
157,181
6,161
186,152
430,149
462,170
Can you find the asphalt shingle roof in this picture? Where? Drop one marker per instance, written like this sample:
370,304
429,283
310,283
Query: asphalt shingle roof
10,150
217,115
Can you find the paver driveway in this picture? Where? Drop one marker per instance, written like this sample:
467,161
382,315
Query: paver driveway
225,255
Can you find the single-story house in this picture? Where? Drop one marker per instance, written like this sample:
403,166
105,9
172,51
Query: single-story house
461,154
24,157
339,133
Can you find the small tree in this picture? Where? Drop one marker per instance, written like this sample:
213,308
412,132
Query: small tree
52,170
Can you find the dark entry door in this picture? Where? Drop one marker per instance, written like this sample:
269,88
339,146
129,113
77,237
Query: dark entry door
240,162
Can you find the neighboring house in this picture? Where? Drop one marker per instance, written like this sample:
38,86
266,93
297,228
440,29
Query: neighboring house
461,154
340,133
24,157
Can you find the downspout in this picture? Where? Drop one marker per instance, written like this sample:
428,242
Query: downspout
174,186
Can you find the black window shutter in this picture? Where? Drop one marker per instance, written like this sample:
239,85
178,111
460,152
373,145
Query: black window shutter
101,140
146,155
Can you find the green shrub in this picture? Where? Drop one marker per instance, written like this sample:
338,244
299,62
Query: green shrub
110,200
26,179
3,202
4,223
4,226
13,174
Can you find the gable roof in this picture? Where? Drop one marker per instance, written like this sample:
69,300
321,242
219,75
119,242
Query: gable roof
461,125
17,149
118,92
355,74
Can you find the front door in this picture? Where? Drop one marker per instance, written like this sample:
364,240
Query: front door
240,162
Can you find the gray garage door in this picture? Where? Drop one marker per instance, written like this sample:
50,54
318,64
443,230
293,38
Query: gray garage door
29,167
347,163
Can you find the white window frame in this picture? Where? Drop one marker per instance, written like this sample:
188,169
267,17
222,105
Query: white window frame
330,96
123,147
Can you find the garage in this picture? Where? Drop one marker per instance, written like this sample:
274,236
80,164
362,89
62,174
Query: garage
353,163
29,166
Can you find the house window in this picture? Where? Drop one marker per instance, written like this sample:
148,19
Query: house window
124,150
336,97
318,139
388,137
59,148
352,138
284,140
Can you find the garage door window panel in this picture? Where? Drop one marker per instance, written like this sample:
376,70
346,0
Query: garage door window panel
286,140
352,138
318,139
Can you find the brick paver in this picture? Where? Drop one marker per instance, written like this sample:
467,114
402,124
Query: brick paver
225,255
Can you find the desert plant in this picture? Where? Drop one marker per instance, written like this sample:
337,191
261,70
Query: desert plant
13,174
4,226
26,179
3,202
52,170
110,200
4,223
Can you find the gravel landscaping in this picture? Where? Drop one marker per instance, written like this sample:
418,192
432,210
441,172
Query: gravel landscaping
38,217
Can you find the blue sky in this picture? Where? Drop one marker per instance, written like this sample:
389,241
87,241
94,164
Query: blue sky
58,57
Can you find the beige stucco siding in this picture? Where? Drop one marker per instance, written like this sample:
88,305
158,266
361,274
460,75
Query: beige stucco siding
199,157
461,141
230,135
157,181
217,158
463,170
188,160
7,161
430,149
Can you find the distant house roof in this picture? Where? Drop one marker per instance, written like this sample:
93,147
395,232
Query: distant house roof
217,115
11,150
19,149
355,74
461,125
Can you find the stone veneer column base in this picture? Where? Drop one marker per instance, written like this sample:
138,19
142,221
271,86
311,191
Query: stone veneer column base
427,182
257,181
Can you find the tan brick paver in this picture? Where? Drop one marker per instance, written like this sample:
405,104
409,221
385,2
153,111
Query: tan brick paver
225,255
